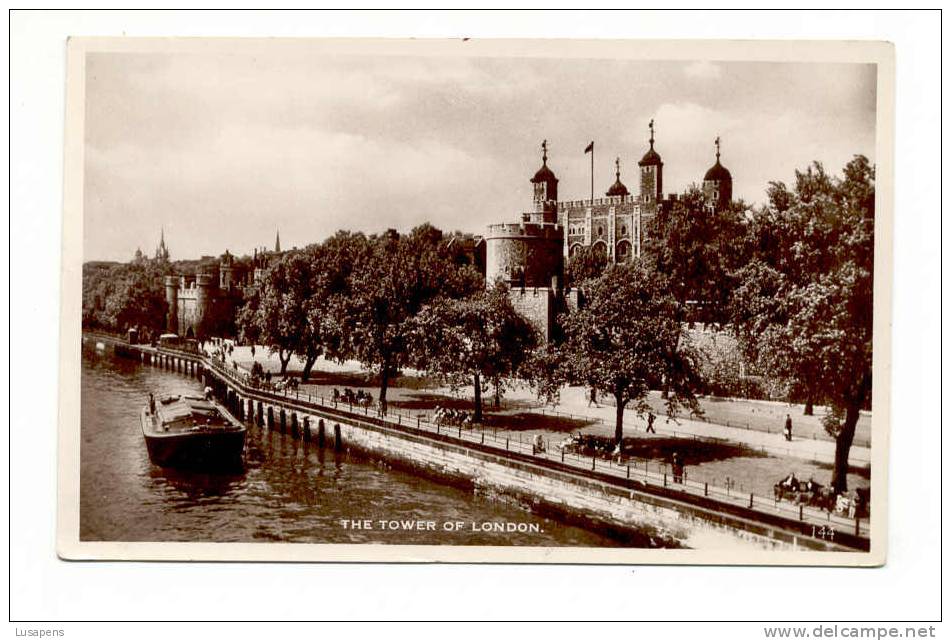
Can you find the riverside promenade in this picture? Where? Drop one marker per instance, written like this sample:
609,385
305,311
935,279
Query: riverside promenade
572,410
648,483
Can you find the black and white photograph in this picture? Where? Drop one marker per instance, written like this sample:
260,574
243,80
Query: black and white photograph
511,301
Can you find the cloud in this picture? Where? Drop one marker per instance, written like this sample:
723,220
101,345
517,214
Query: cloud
223,149
702,69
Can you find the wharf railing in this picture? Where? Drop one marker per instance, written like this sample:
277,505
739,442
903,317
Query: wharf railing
652,475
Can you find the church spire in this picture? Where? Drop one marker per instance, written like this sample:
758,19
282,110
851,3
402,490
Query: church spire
651,127
161,252
717,143
277,242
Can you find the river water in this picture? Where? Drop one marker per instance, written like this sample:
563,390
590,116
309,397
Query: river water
290,491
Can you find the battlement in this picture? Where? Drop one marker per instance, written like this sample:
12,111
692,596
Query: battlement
606,200
543,231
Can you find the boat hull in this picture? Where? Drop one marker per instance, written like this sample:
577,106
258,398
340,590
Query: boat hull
216,449
198,451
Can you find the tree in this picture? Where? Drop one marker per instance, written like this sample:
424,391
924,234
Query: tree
584,264
277,315
627,340
118,296
698,249
803,310
331,267
397,277
479,340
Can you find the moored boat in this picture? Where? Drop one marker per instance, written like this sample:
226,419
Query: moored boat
192,432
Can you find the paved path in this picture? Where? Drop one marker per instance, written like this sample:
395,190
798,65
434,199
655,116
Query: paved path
597,420
573,402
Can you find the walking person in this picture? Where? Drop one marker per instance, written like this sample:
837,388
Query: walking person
650,423
593,398
787,428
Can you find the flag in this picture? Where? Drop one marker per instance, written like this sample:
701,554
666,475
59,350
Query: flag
590,147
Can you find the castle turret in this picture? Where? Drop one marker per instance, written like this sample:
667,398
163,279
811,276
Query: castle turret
718,184
226,271
618,188
171,301
545,190
652,173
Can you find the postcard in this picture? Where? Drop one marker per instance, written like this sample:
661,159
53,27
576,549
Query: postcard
471,301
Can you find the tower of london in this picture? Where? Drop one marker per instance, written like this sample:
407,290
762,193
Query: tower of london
529,254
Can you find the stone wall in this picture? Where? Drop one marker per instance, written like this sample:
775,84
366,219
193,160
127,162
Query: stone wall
640,518
613,225
538,306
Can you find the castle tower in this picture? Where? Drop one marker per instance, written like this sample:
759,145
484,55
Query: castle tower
203,286
652,173
226,271
618,188
171,300
545,190
718,184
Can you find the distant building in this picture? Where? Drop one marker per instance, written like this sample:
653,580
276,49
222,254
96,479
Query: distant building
161,252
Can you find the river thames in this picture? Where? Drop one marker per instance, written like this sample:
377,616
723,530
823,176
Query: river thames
289,491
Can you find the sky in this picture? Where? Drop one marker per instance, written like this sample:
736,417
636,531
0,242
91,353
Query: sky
222,150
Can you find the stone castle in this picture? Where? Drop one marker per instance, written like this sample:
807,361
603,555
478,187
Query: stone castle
207,303
530,254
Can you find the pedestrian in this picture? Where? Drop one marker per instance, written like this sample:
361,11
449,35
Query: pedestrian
787,429
677,467
853,504
151,403
650,423
593,398
538,445
252,350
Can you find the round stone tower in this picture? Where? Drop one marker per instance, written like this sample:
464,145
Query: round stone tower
171,300
203,286
524,254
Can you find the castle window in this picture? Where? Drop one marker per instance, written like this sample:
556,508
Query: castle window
623,230
600,231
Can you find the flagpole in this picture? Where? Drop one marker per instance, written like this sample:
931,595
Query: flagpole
592,172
